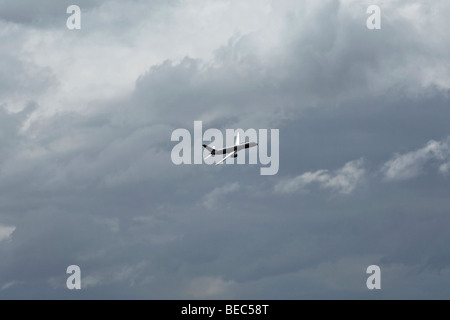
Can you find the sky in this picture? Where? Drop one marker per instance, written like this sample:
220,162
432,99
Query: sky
87,179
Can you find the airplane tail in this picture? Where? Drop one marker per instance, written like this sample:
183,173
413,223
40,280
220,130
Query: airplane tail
212,150
238,141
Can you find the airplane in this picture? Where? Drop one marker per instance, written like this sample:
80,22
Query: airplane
231,151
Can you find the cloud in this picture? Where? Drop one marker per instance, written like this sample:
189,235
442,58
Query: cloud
9,285
80,62
44,13
214,198
343,180
412,164
130,274
208,287
6,232
85,170
444,168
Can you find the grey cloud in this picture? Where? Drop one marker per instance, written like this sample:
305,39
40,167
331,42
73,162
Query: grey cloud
411,164
41,12
95,14
98,188
20,78
6,232
343,180
327,58
212,199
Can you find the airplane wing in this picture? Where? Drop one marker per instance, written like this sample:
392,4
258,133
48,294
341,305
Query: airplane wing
228,155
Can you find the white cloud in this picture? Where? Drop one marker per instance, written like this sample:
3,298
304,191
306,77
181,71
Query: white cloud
102,61
207,287
212,199
444,168
9,285
343,180
6,232
412,164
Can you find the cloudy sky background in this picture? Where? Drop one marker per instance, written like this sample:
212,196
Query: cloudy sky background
86,176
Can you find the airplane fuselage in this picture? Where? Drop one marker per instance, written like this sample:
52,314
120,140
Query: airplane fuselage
235,148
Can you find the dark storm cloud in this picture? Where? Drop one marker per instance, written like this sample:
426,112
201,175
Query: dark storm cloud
325,57
99,190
